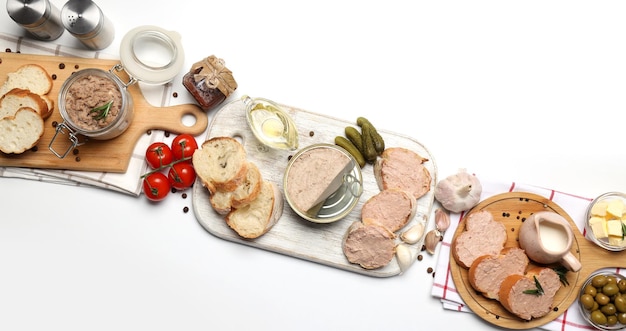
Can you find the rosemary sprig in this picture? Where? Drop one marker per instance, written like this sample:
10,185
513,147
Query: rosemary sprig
562,271
623,230
102,111
538,291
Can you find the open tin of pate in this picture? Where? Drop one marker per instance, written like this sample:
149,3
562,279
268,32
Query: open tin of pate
96,104
323,183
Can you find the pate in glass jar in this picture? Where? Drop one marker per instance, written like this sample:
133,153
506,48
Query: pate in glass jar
93,103
96,104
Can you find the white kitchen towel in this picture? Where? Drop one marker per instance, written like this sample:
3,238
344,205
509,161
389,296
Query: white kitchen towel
443,285
128,182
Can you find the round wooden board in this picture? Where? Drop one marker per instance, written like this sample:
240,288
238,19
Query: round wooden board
512,209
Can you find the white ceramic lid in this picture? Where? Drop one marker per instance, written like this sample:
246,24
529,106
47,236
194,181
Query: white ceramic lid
151,54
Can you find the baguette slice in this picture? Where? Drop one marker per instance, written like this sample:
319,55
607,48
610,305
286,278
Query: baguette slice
32,77
259,216
221,164
528,306
20,132
489,271
483,235
18,98
223,202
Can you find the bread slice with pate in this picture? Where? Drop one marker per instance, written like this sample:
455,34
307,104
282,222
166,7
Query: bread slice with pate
516,293
21,131
224,201
221,164
260,215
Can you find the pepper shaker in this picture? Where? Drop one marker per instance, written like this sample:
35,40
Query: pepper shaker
85,21
39,17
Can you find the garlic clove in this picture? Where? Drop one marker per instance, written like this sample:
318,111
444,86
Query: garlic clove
413,234
433,237
405,256
442,220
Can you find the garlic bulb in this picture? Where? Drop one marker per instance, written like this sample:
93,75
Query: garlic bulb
405,256
413,234
458,192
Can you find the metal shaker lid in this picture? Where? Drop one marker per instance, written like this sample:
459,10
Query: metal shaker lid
151,54
28,12
82,18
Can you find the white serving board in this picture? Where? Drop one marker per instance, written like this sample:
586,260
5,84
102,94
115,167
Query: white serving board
293,235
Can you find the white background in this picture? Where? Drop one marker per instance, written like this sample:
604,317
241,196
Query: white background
528,91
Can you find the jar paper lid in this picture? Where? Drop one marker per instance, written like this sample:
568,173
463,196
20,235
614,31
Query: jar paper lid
151,54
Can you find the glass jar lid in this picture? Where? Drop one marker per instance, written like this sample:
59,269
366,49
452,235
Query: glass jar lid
151,54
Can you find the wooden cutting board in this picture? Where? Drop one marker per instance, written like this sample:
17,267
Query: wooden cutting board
293,235
512,209
107,155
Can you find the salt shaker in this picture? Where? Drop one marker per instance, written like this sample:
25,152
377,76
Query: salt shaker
39,17
85,21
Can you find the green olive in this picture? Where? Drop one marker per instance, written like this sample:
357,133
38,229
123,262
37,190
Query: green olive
621,317
587,301
620,303
608,309
622,285
599,281
602,299
598,317
596,306
611,280
589,289
610,289
611,320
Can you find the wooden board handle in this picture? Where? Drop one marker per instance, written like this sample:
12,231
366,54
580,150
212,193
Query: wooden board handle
173,119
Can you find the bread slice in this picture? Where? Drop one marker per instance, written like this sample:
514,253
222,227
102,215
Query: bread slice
260,215
391,208
483,235
488,271
18,98
221,164
223,202
21,131
32,77
371,246
527,305
403,169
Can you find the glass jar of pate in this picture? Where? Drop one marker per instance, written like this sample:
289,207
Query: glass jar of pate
96,104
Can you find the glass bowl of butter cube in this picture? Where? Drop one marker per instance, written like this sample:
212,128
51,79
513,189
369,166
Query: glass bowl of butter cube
606,221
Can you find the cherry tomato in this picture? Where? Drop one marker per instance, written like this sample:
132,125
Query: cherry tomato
183,146
156,186
159,154
181,175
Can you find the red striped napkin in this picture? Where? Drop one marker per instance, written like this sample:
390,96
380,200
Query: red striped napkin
443,285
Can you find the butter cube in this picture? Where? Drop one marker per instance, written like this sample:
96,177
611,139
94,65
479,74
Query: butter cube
598,227
616,241
615,208
599,208
614,228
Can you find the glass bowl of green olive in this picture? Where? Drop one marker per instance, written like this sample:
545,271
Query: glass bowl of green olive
602,300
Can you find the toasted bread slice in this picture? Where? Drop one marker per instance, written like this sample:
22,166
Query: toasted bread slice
259,216
223,202
32,77
18,98
21,131
221,164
